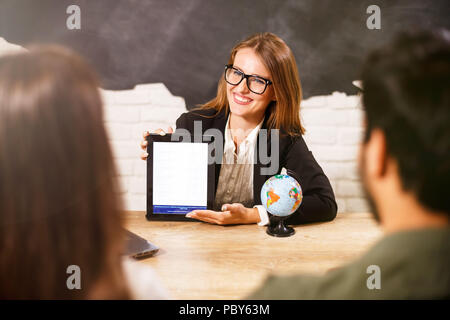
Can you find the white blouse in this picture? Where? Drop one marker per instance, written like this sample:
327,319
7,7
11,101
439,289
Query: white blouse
236,173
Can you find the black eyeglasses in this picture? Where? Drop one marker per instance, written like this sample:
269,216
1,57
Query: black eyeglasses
255,84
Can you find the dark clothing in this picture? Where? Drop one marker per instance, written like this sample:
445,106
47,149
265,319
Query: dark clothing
412,265
318,197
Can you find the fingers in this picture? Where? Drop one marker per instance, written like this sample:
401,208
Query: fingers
234,213
144,155
204,214
233,207
160,132
207,216
144,144
204,219
192,215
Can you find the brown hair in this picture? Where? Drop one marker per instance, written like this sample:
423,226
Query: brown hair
284,114
58,199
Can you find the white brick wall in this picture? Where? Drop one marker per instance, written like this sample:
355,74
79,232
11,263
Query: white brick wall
333,124
128,113
333,132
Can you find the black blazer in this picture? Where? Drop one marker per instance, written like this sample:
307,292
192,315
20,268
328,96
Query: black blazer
318,198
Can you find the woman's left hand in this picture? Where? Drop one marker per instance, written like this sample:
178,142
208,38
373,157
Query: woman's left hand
234,213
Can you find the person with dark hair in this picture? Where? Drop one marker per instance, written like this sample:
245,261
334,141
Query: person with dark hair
405,167
59,204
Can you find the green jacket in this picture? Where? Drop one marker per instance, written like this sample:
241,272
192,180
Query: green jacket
412,265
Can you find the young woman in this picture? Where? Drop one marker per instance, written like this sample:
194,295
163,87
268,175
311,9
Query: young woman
260,89
58,198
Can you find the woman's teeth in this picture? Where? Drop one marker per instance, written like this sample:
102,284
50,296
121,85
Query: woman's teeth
238,98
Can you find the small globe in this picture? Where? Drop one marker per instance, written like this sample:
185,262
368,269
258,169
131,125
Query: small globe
281,195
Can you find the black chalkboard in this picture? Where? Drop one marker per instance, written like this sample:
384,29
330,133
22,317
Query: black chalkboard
185,43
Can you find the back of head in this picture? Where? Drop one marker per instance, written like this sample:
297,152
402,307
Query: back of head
58,203
407,95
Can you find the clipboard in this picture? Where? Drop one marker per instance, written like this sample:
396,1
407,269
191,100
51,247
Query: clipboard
179,177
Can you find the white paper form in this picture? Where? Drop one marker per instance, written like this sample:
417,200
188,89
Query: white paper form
180,176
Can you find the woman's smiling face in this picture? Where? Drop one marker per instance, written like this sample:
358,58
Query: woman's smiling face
242,101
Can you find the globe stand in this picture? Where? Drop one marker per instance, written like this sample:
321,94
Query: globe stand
277,228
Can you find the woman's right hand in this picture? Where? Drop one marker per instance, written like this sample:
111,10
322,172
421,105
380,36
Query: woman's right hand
144,142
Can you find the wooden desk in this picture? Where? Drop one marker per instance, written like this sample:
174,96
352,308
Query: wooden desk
203,261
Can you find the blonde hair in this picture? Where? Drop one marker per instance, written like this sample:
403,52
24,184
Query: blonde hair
284,113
